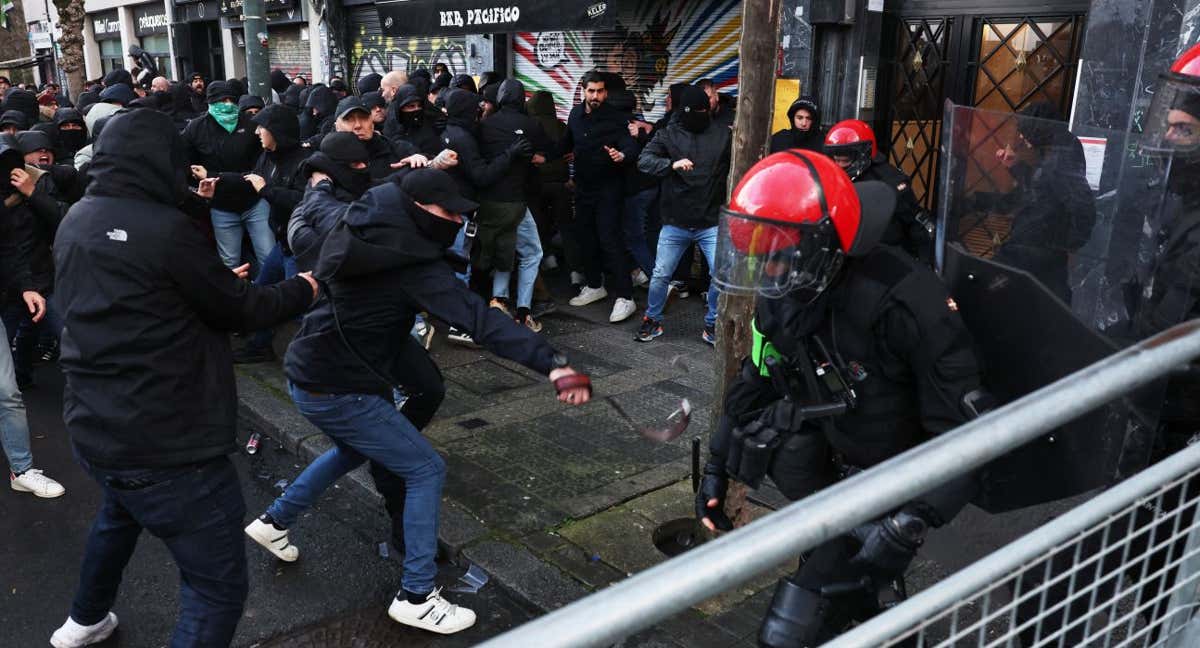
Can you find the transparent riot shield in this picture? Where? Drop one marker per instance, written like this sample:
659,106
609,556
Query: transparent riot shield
1060,249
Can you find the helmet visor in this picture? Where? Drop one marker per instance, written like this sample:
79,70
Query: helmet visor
854,158
757,256
1172,125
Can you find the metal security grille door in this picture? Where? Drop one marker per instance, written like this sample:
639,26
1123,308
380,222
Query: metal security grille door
1026,61
915,125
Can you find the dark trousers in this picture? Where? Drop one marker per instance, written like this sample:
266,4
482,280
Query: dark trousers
602,238
552,210
24,334
197,511
425,389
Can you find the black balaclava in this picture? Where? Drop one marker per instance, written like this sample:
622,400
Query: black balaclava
462,109
70,140
338,151
405,95
693,109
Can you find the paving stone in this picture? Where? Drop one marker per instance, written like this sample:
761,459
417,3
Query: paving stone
538,583
665,504
586,567
619,537
486,377
691,629
457,528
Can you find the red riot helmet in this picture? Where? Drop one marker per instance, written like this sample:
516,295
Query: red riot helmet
852,139
791,222
1172,124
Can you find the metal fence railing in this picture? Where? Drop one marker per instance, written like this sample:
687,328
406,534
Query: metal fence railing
1122,569
671,587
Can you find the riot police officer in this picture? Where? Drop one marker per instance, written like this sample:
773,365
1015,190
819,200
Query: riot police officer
847,326
851,143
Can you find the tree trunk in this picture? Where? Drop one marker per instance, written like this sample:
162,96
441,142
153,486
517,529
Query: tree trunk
70,18
751,131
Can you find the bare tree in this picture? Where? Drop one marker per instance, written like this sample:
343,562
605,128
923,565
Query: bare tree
70,20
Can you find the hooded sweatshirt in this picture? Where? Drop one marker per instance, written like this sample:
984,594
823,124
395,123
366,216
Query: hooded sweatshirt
148,308
414,127
318,115
461,136
281,167
500,133
69,142
381,269
793,138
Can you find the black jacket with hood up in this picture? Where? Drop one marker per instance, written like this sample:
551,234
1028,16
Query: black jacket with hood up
148,307
281,167
812,139
423,135
497,136
473,171
381,270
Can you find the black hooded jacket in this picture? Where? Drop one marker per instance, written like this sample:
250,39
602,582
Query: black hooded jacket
281,167
498,135
148,306
381,269
473,171
68,142
225,155
416,128
318,115
812,139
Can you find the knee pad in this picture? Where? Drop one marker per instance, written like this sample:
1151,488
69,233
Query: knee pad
795,618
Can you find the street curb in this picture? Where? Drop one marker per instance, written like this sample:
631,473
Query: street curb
271,415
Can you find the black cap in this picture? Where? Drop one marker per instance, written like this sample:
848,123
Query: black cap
372,100
436,187
344,148
33,140
218,91
349,104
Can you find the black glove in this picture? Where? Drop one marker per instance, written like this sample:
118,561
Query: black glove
713,486
521,148
890,543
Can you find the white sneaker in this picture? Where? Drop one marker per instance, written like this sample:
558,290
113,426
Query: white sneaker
640,280
459,336
588,296
273,540
622,309
33,481
73,635
436,614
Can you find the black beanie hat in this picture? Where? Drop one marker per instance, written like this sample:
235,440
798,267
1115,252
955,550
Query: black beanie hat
344,148
218,91
279,81
693,97
369,83
33,140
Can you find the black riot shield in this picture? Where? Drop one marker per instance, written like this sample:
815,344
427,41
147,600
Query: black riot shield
1051,244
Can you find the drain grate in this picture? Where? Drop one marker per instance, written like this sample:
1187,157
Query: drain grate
473,424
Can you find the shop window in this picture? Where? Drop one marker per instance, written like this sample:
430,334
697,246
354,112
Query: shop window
158,48
111,57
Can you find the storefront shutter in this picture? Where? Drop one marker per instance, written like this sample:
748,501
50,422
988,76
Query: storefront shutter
371,51
288,52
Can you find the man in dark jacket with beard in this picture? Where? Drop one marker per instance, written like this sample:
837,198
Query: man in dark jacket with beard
692,157
383,263
408,120
805,132
278,180
150,399
222,145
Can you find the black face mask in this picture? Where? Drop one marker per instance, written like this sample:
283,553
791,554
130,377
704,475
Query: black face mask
412,119
437,229
354,181
71,140
695,121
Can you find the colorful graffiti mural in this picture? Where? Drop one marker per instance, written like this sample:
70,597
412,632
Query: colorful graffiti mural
371,52
653,45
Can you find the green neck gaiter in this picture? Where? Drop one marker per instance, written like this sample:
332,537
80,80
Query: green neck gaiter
226,114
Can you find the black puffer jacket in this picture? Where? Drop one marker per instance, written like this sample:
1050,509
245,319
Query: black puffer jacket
462,128
281,167
689,198
225,155
148,307
417,127
381,270
497,136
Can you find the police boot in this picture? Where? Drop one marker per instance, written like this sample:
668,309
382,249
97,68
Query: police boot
795,618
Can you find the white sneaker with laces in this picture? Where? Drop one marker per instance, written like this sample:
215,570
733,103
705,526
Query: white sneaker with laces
640,280
588,296
436,614
459,336
622,309
34,481
273,540
73,635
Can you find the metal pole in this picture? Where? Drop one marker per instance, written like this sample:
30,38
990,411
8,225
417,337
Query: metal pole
655,594
66,92
258,66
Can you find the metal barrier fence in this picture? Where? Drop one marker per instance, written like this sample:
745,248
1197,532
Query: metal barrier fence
655,594
1122,569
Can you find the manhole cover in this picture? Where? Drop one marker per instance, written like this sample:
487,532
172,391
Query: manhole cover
677,536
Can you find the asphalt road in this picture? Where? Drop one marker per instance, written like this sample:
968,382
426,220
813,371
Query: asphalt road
336,595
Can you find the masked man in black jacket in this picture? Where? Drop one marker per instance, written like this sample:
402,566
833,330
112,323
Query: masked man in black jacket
408,120
150,400
382,263
278,180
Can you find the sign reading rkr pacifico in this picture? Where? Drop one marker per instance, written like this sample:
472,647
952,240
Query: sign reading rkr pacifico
460,17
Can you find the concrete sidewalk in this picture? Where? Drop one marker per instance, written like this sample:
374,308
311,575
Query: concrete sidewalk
556,501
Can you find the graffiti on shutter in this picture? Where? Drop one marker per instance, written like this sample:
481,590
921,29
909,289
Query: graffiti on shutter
372,52
653,45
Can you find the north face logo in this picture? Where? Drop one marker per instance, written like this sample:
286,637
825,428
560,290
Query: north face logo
118,235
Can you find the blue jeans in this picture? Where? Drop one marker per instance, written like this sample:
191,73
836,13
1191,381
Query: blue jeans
14,427
369,427
529,257
276,267
228,228
672,241
637,210
197,511
462,247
